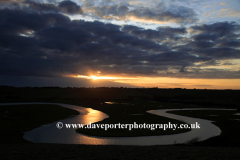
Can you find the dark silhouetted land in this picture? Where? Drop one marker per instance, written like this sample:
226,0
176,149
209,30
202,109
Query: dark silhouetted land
131,106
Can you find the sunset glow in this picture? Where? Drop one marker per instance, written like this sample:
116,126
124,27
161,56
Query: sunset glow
167,82
102,77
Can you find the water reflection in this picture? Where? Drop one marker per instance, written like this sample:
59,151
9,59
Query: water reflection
119,103
50,134
111,102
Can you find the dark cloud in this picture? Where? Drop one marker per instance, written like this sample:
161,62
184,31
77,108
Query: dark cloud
202,44
224,35
159,14
230,43
171,30
108,10
43,7
39,43
183,48
220,29
70,7
159,35
205,37
20,21
177,15
219,53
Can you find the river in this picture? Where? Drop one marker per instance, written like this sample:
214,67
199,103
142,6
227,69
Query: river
51,134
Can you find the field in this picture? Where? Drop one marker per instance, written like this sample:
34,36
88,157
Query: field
131,106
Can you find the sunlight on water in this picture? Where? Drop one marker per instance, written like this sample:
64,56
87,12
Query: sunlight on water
118,103
111,102
51,134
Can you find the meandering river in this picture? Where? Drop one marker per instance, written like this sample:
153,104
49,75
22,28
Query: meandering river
51,134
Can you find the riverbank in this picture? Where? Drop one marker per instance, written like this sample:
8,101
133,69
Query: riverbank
61,151
17,119
227,121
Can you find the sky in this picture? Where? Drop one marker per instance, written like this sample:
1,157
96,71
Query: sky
112,43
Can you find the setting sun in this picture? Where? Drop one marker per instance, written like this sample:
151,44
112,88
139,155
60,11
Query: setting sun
95,77
101,77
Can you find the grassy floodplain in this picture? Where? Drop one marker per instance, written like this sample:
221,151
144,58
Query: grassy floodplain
17,119
131,106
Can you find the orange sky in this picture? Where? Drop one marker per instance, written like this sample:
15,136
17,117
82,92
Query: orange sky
169,82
